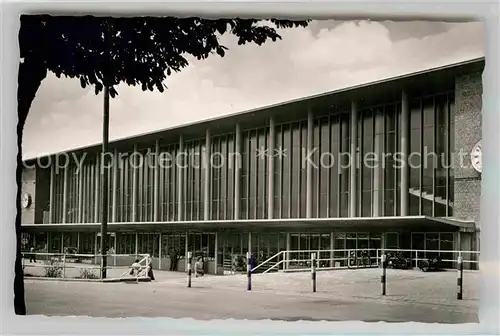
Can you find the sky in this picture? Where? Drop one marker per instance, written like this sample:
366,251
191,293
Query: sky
325,56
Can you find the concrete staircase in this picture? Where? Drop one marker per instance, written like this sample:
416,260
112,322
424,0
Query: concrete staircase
429,196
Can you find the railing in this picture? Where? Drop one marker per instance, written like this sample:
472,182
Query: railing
469,257
142,272
273,262
300,260
79,266
330,259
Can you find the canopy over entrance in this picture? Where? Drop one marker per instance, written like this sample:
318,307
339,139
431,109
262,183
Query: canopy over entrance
373,223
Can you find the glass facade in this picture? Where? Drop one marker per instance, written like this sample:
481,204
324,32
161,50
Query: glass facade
254,174
168,177
221,163
377,171
431,138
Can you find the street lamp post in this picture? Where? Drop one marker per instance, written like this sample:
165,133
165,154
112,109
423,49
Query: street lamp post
105,183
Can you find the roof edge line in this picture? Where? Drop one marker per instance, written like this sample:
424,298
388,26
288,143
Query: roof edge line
271,106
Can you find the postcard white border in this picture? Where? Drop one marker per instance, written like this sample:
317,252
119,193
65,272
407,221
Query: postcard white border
486,11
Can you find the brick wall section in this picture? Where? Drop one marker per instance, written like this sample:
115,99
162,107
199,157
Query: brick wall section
468,105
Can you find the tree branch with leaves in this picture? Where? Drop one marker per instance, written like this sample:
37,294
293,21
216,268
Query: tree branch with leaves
107,51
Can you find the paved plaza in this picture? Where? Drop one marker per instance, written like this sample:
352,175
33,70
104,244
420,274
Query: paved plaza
341,295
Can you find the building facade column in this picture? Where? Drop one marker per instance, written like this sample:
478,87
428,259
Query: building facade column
310,130
180,179
353,206
97,259
270,167
216,254
115,248
96,189
156,185
114,187
405,130
208,167
332,249
377,170
134,185
160,248
287,253
250,242
136,243
65,195
237,172
80,195
62,242
51,194
186,250
78,242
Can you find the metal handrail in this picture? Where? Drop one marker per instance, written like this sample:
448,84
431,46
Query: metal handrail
62,261
266,261
288,256
83,254
433,251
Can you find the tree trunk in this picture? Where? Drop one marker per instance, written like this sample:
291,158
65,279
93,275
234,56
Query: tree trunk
30,77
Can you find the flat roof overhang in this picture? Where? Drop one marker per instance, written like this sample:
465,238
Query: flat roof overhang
368,94
370,223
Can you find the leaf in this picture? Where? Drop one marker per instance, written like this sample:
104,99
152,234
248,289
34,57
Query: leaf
82,82
220,52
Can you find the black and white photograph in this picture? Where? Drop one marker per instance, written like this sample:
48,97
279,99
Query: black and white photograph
259,169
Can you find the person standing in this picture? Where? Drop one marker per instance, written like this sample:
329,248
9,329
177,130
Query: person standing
32,254
150,270
252,261
173,260
199,267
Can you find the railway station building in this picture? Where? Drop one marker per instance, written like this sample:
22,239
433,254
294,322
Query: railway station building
389,164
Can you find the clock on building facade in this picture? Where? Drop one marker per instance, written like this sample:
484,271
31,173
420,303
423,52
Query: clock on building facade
475,157
25,200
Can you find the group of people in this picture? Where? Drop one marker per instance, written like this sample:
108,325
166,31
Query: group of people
199,266
136,269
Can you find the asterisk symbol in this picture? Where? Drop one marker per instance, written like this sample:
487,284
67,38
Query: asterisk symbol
280,152
262,152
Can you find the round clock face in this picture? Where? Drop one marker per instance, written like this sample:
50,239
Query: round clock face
475,157
25,200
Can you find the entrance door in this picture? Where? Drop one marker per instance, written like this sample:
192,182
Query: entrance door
265,245
232,248
55,242
392,240
351,244
202,244
110,242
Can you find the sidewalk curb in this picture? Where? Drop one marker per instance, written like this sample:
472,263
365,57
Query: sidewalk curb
110,280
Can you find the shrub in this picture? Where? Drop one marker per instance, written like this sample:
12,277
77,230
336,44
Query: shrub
87,273
53,269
